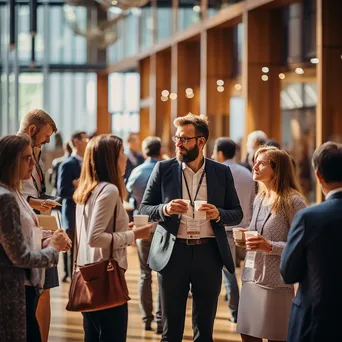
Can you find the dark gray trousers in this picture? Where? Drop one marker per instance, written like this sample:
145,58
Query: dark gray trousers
201,267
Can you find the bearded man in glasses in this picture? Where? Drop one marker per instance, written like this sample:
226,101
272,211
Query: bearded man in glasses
192,198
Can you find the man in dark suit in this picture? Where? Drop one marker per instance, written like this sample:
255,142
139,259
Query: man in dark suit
312,258
134,156
68,175
192,198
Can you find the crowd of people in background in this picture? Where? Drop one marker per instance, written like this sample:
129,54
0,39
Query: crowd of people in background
204,216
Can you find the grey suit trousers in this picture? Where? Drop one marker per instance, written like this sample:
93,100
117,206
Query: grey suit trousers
145,284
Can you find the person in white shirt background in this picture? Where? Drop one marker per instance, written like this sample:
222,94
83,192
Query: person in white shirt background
224,152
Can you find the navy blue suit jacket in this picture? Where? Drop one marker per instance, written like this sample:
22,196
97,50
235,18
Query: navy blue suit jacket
69,170
312,258
165,184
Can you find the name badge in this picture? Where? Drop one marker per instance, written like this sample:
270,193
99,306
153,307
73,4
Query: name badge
193,229
250,259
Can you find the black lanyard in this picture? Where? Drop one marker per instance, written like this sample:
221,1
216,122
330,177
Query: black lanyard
192,202
40,175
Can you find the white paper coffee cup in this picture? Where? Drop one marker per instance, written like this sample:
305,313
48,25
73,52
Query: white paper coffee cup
252,233
189,212
200,214
140,220
238,233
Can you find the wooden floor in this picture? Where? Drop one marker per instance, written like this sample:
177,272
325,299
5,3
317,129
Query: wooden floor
67,326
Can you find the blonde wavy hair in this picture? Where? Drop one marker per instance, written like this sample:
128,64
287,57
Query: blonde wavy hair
284,182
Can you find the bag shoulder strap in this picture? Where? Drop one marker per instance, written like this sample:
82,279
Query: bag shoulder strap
114,228
81,225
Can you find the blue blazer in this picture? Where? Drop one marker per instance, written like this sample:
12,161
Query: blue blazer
312,258
165,184
69,170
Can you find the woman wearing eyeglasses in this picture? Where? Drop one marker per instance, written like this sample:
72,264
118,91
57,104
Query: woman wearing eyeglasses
20,279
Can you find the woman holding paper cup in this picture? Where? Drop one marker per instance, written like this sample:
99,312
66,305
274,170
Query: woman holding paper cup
20,245
99,197
265,302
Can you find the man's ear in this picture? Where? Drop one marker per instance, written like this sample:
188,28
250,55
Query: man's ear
319,177
32,130
202,141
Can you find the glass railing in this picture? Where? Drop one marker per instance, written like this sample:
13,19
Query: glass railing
215,6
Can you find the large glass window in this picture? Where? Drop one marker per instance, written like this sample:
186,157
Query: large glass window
30,92
124,96
189,13
127,29
73,102
146,27
298,103
164,19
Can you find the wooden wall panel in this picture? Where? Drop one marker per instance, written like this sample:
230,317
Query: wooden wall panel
329,71
262,48
188,76
163,109
219,67
103,118
145,101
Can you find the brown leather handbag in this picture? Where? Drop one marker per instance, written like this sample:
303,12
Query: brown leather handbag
99,285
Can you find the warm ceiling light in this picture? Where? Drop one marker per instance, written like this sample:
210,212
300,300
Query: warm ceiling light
282,76
238,86
164,98
189,91
220,89
190,96
114,2
165,93
299,71
265,70
220,82
314,60
197,9
264,78
173,96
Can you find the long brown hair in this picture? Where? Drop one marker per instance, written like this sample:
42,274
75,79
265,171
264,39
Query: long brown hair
100,164
284,182
11,148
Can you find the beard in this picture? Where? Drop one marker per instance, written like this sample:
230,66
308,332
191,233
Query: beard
190,156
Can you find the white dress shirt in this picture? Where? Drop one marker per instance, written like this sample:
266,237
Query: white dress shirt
193,179
96,220
245,188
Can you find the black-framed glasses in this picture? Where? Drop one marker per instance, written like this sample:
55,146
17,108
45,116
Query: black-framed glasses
184,140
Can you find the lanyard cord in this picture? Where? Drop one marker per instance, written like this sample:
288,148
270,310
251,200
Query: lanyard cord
40,175
192,202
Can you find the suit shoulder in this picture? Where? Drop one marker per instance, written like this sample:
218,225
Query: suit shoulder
167,163
68,161
317,209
